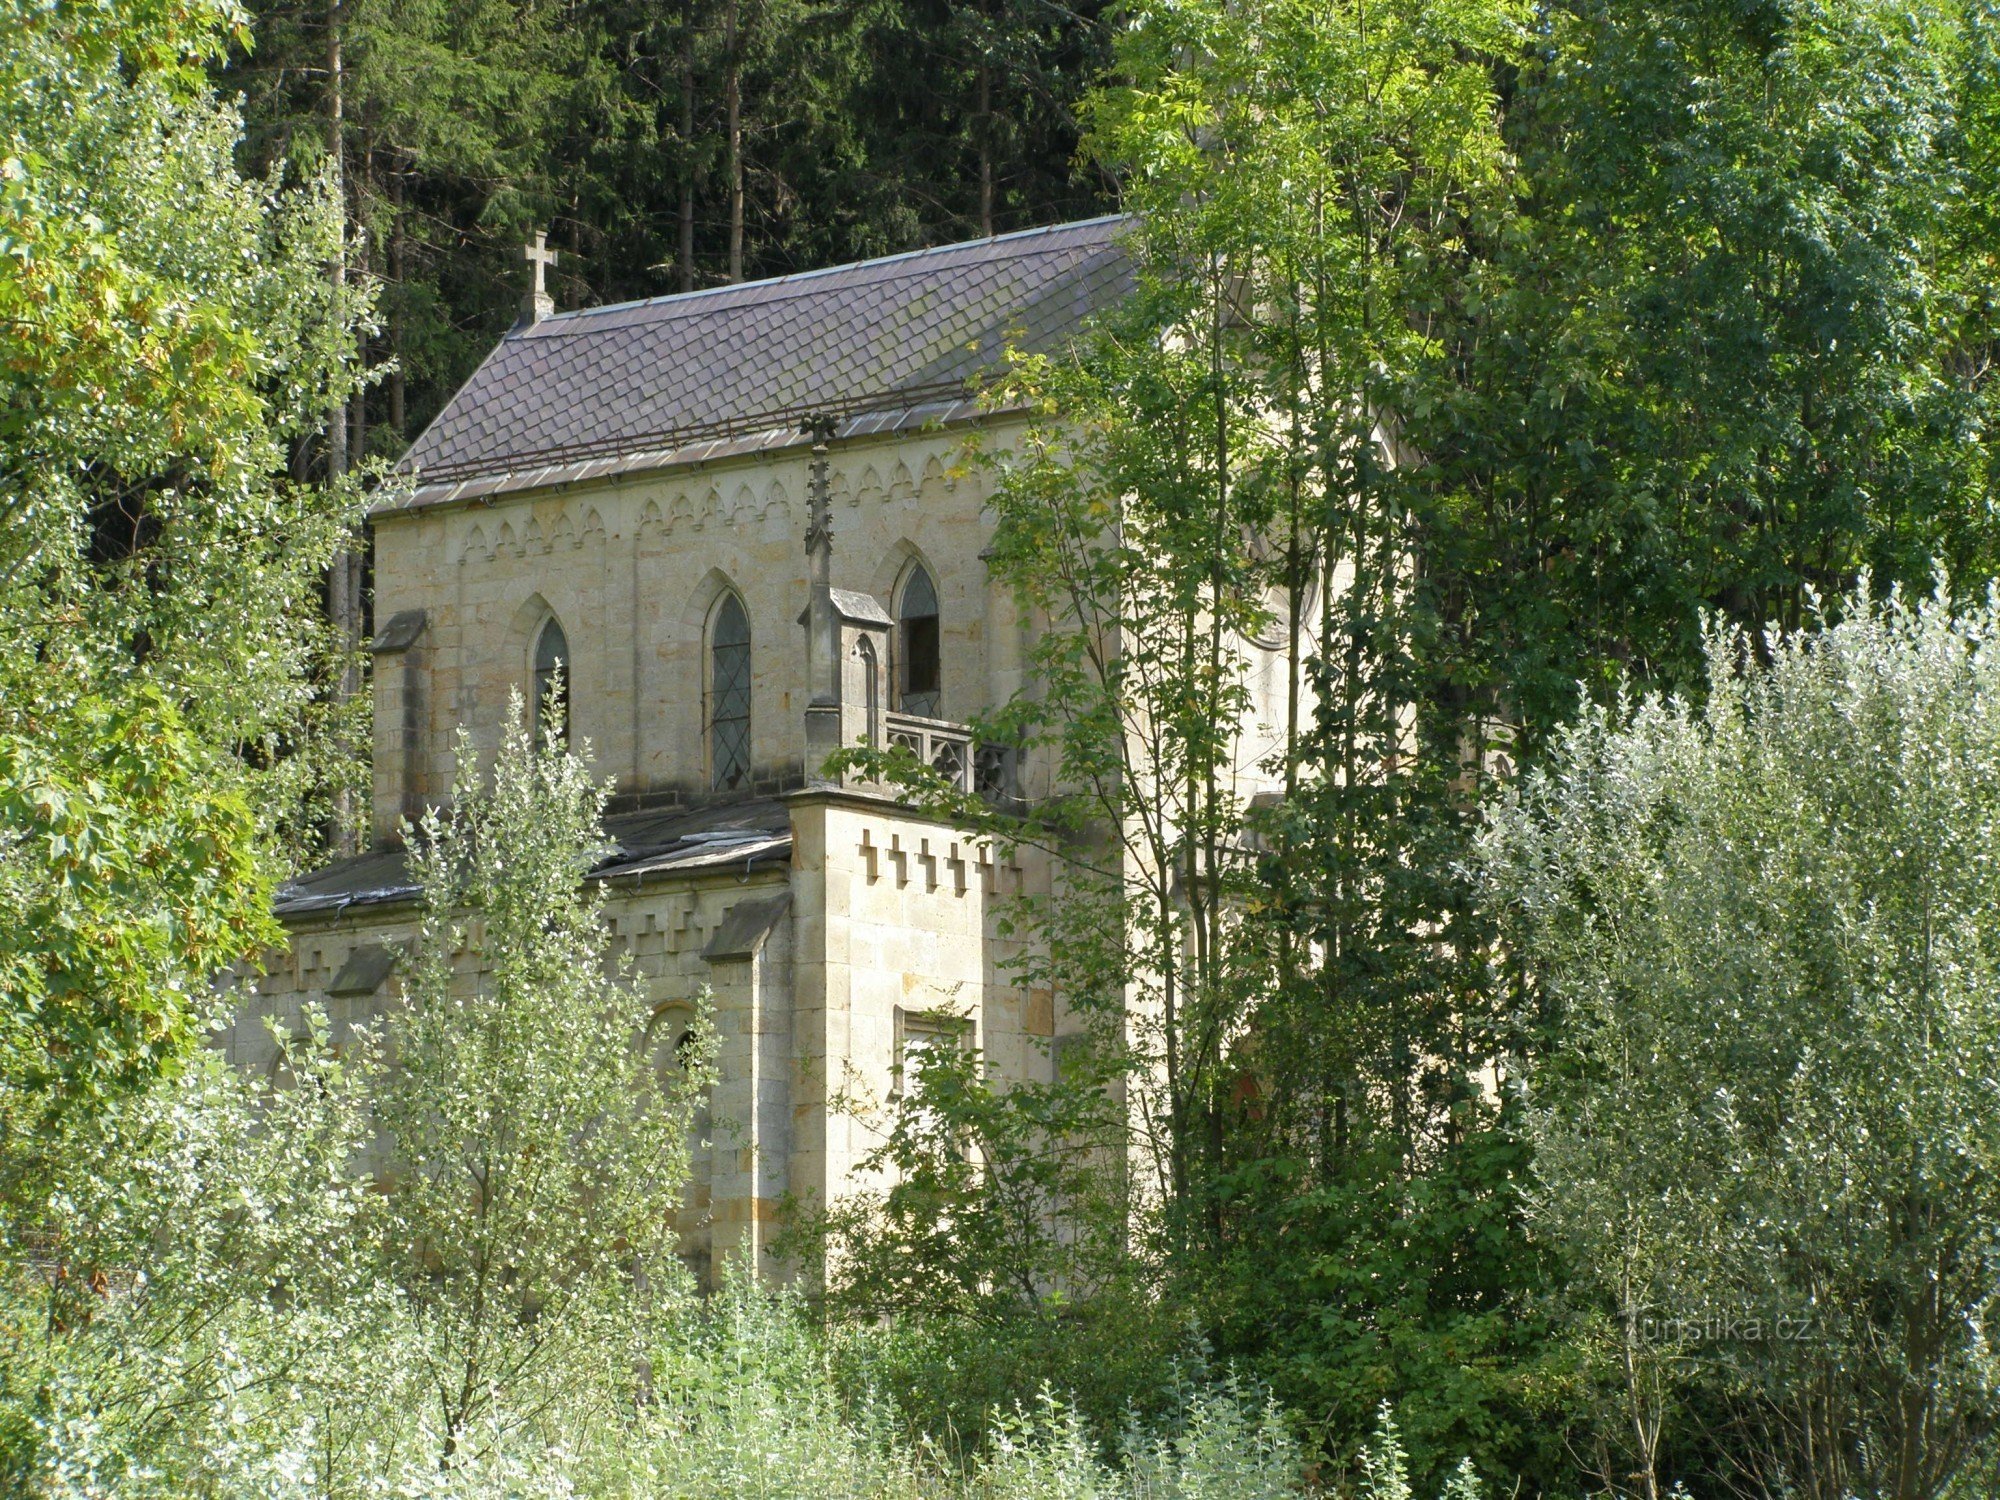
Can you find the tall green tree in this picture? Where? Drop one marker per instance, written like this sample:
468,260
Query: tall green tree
538,1141
1724,345
1638,313
453,126
166,330
1352,1223
969,112
1258,909
1470,361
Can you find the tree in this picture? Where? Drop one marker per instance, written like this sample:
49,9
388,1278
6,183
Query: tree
1766,924
662,148
1722,343
969,113
191,1308
1317,169
1290,986
166,329
443,126
538,1145
1562,335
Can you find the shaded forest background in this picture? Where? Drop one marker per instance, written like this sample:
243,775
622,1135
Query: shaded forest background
664,147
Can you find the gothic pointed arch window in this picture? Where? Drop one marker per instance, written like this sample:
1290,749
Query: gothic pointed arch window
552,678
918,675
871,700
729,695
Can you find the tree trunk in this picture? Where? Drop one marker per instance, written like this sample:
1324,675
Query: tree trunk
732,103
985,128
357,404
344,586
398,251
336,125
687,147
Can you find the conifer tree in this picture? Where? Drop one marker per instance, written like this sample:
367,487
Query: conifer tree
662,149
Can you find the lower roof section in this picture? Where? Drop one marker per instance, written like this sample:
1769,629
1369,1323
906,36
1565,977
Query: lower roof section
740,837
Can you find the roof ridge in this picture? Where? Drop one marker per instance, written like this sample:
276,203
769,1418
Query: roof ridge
816,272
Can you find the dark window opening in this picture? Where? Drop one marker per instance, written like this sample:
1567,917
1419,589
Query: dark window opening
729,696
552,680
917,628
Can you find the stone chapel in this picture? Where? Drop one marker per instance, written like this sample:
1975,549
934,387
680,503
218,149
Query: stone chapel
740,521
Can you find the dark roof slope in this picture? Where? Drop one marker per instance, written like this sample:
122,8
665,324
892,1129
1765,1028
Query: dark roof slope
881,335
738,836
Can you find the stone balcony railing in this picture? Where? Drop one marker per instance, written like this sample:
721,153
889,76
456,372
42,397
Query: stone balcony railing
950,750
945,747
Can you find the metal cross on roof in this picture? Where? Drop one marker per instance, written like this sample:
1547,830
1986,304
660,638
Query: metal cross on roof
537,304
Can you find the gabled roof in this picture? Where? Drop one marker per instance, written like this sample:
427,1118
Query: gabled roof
589,392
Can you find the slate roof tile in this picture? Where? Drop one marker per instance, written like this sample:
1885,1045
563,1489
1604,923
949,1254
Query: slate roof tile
735,836
878,336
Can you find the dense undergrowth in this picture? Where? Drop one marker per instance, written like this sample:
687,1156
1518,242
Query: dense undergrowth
737,1395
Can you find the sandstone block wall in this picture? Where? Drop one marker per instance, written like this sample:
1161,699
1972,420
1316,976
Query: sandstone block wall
898,927
634,568
741,1156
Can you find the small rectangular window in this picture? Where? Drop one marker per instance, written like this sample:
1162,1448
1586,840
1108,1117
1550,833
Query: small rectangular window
921,1033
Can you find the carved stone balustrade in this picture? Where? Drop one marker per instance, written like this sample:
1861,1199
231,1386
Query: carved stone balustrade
943,746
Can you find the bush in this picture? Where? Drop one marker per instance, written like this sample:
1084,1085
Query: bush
189,1311
1768,929
215,1300
1109,1358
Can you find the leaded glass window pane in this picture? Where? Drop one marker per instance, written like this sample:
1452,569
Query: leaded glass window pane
729,695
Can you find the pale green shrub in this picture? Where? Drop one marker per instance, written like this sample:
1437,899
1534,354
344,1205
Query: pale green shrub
539,1148
183,1309
210,1380
1768,1137
1047,1454
1222,1447
1385,1471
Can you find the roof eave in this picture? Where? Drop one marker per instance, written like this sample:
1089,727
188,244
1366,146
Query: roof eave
688,454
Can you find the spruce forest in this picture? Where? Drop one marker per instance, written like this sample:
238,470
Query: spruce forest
1559,1057
660,148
